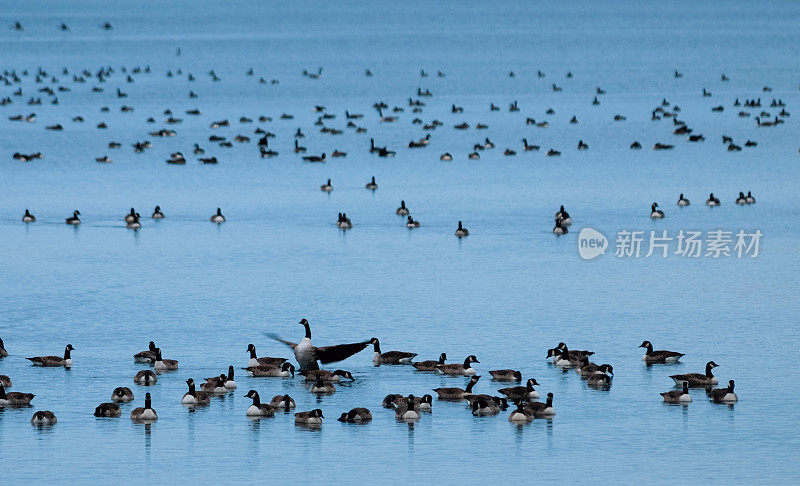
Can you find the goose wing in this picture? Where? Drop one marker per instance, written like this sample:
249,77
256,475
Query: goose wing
339,352
275,337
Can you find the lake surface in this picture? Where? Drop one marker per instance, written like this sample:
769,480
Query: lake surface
507,293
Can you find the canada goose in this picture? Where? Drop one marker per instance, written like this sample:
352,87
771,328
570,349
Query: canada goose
389,357
338,153
314,158
678,396
356,415
107,410
553,153
321,387
461,231
208,160
26,218
298,149
521,414
372,185
559,228
582,145
314,417
45,417
405,409
146,413
474,156
564,359
402,210
285,370
14,399
662,146
344,222
255,361
145,377
656,213
327,187
696,380
148,356
527,147
5,381
723,395
446,157
506,375
307,354
412,223
421,404
164,364
601,378
430,365
750,199
682,201
258,409
215,385
741,200
66,361
540,409
489,405
713,200
177,158
157,214
659,356
282,402
457,393
327,375
464,369
518,393
198,150
218,218
228,383
573,353
74,220
636,145
135,224
122,394
194,397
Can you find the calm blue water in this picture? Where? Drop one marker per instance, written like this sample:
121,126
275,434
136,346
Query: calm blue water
507,293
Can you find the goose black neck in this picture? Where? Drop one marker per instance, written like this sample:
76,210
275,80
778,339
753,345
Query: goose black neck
256,399
708,370
466,363
253,352
649,348
191,389
66,353
550,400
230,373
308,329
470,385
148,402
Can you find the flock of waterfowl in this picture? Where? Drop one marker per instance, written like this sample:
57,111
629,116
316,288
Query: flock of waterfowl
406,406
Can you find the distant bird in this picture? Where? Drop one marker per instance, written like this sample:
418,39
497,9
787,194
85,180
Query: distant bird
218,217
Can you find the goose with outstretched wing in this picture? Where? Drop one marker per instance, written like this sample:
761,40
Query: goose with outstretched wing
307,354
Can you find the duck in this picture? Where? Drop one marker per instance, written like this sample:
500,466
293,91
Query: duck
539,409
148,356
146,413
164,364
405,409
321,387
412,223
285,370
28,217
506,375
14,399
372,185
255,361
402,210
66,361
122,394
678,396
661,356
559,228
218,217
461,232
356,415
458,369
74,220
44,417
389,357
696,380
313,417
457,393
741,200
107,410
521,414
145,377
712,200
723,395
157,214
446,157
327,187
518,393
326,375
308,355
282,402
682,201
430,365
656,213
750,199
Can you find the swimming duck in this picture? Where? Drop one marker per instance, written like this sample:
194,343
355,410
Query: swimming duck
697,380
307,354
372,185
389,357
122,394
45,418
14,399
28,217
66,361
678,396
712,200
539,409
327,187
521,393
107,410
660,356
656,213
321,387
356,415
148,356
157,214
164,364
506,375
682,201
74,220
402,210
314,417
146,413
255,361
521,414
218,218
282,402
194,397
464,369
430,365
723,395
145,377
461,231
285,370
457,393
